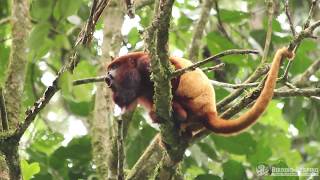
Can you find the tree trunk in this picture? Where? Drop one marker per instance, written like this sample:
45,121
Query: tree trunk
102,126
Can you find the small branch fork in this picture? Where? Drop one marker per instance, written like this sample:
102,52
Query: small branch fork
307,32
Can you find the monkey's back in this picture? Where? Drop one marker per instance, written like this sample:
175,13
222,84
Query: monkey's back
195,87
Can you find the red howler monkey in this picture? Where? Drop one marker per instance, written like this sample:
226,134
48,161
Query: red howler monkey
193,95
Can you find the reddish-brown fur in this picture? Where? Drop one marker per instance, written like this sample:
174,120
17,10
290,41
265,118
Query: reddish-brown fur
193,94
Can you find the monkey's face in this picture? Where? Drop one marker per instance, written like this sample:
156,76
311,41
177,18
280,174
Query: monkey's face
124,80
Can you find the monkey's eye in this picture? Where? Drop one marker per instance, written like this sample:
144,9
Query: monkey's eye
115,66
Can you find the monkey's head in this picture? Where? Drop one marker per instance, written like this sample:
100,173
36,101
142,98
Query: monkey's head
125,76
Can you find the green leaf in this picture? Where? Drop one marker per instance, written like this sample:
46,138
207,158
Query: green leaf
65,83
74,160
38,36
208,150
217,43
232,16
4,56
194,171
61,41
240,144
41,9
80,108
259,35
65,8
313,117
302,60
207,177
293,103
273,117
47,142
261,154
233,170
145,16
280,145
84,92
28,170
220,93
184,23
138,140
275,25
133,37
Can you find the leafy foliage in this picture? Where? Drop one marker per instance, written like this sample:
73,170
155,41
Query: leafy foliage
286,136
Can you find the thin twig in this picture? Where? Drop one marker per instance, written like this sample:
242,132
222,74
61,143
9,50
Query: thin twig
286,7
303,79
4,116
219,55
220,23
216,67
120,149
88,80
295,43
313,68
32,81
305,33
302,35
199,28
311,12
233,86
86,33
306,92
269,31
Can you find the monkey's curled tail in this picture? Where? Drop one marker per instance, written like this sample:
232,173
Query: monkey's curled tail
222,126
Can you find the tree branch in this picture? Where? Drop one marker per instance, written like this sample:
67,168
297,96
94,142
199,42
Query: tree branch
120,150
88,80
220,23
5,20
286,6
4,118
198,31
310,15
219,55
269,31
153,154
306,92
303,79
234,86
307,32
160,68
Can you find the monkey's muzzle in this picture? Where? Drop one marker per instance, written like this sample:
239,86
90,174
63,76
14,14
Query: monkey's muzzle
108,79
